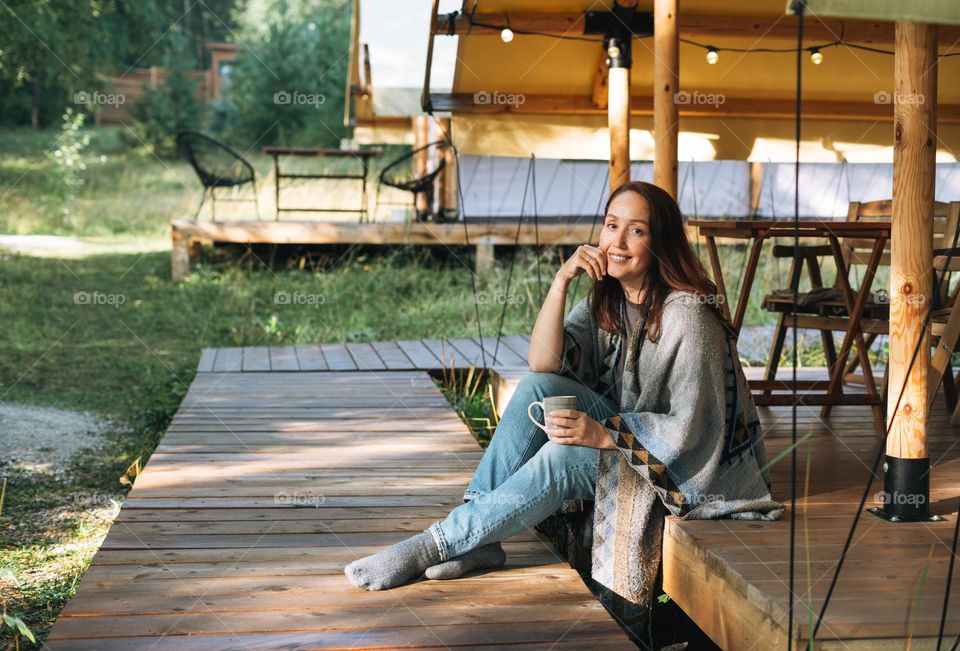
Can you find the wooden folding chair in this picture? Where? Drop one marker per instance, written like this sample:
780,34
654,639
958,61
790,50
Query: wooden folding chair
945,330
829,314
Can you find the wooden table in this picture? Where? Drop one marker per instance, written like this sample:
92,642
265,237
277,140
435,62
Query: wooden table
362,155
757,232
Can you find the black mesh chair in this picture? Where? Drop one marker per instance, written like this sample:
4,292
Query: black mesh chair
416,172
218,166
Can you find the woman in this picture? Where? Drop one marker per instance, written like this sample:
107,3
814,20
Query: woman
667,422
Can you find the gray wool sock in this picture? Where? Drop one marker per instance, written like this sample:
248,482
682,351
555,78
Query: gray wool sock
484,557
396,565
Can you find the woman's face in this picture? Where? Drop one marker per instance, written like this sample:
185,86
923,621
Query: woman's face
625,238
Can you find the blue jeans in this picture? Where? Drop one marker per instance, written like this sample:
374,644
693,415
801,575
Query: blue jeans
523,477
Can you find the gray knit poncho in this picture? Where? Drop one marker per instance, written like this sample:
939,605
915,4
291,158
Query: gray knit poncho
688,437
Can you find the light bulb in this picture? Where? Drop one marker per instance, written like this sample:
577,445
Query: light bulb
712,56
816,57
506,35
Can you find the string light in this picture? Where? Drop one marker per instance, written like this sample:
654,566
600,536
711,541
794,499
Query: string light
815,57
507,33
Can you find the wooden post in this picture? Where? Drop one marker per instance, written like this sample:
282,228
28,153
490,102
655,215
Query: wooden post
906,471
618,117
618,96
179,256
447,183
485,258
756,187
666,83
421,136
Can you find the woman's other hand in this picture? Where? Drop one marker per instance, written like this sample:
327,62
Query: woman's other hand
573,427
585,258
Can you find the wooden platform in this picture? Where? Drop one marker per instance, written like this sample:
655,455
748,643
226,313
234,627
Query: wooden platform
483,235
732,577
267,484
262,491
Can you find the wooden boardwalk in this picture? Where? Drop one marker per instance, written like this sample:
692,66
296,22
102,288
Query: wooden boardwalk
267,484
274,474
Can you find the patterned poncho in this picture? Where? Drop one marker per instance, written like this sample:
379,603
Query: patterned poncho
688,438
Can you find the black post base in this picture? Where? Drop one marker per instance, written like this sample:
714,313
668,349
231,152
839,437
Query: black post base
906,491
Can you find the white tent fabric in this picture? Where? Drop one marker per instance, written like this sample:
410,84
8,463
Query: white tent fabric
827,188
493,187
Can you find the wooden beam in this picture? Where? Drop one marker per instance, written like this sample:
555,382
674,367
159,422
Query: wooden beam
642,105
666,83
693,26
425,95
911,248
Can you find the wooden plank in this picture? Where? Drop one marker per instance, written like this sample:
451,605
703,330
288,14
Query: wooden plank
311,357
365,356
256,358
471,351
338,359
207,358
284,358
519,344
419,353
392,355
229,360
313,232
505,356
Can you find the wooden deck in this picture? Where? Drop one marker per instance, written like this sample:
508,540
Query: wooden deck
732,577
267,484
261,491
480,234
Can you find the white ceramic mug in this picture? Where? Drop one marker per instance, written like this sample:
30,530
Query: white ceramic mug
549,405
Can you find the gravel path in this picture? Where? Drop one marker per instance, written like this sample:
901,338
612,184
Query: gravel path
44,439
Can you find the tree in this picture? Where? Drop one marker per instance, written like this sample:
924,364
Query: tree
52,49
287,83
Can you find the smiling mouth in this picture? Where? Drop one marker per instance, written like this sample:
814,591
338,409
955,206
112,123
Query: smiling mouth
618,258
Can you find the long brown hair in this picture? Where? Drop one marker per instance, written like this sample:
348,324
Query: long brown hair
674,266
